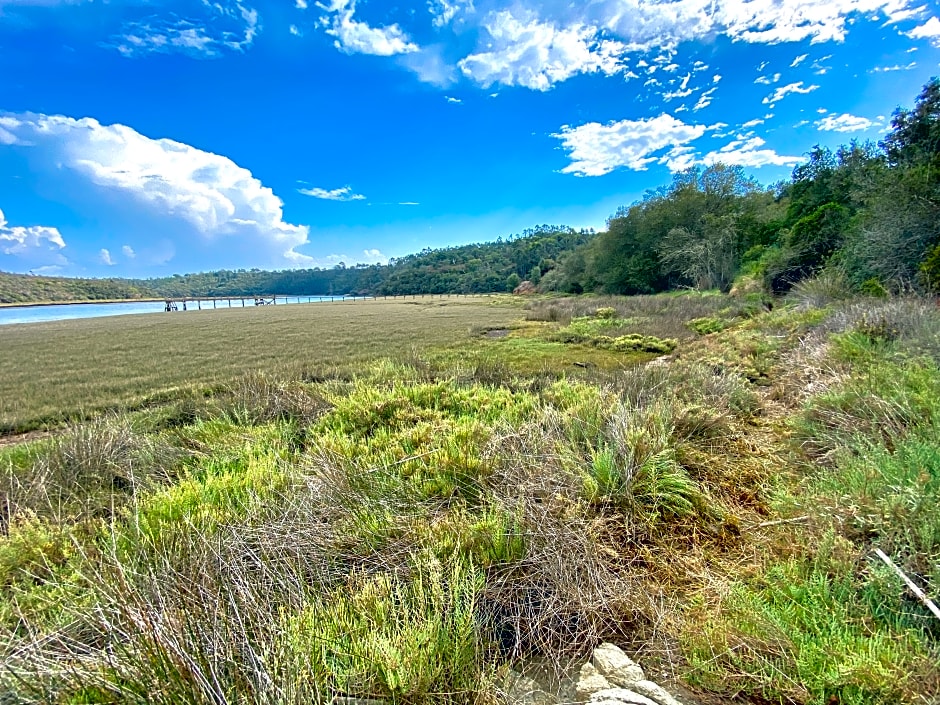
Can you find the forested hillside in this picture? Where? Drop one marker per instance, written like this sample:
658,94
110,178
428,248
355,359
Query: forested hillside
467,269
870,213
23,288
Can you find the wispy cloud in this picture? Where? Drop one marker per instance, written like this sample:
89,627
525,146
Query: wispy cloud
443,11
104,256
704,100
896,67
228,28
767,80
749,152
783,91
337,194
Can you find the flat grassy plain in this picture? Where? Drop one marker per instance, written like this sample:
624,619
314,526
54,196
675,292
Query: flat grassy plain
469,487
52,372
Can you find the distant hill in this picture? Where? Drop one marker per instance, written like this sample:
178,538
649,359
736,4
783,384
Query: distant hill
466,269
26,288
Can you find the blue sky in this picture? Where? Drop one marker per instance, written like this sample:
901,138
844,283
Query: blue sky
146,137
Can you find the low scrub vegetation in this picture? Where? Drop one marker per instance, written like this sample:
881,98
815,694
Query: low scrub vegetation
407,528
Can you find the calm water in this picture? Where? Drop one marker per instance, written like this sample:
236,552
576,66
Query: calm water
62,312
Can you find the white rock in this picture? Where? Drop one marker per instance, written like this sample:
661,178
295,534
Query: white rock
619,696
654,691
590,681
616,666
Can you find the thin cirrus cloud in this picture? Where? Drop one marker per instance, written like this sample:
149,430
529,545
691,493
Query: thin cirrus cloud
844,123
211,201
344,193
227,28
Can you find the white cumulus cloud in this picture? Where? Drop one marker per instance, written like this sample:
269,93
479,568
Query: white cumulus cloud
929,30
596,149
356,37
35,244
209,197
128,252
525,51
18,239
368,256
344,193
104,256
844,123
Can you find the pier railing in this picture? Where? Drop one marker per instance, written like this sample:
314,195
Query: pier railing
185,303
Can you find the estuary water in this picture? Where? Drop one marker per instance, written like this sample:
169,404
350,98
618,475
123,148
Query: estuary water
62,312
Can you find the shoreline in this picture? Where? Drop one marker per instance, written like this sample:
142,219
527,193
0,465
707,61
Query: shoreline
30,304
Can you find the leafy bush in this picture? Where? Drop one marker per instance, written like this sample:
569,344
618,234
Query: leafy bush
707,325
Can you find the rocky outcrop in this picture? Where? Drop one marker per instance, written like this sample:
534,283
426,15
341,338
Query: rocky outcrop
609,678
525,288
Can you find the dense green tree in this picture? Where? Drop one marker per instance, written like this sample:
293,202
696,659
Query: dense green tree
900,226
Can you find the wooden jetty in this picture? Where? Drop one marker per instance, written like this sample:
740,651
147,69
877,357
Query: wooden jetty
185,303
189,303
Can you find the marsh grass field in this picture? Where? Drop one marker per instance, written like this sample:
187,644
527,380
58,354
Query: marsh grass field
399,502
68,370
53,372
